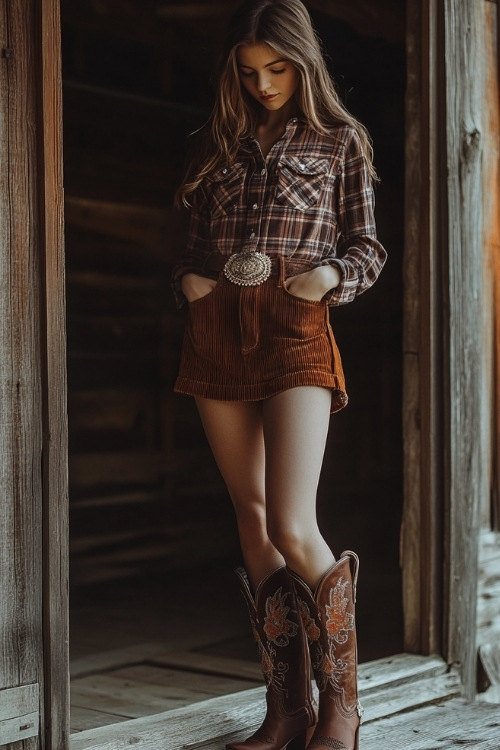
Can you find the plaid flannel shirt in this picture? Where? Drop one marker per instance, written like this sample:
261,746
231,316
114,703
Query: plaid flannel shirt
311,198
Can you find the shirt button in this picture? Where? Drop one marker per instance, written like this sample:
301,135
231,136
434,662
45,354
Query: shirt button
255,205
224,171
302,166
263,172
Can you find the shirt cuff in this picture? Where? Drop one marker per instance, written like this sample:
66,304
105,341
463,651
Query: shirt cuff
347,290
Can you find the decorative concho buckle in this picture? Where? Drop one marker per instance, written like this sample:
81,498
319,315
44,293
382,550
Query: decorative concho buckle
248,268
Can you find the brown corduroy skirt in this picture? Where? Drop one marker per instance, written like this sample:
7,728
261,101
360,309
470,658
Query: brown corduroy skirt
247,343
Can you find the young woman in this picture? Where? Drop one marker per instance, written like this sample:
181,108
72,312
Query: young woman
281,227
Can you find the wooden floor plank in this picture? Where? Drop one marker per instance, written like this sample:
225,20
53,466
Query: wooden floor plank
110,695
395,670
211,684
143,690
400,669
446,727
212,722
87,718
103,661
190,726
394,700
140,689
208,664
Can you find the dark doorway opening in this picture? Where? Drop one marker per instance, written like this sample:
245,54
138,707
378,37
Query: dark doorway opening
153,538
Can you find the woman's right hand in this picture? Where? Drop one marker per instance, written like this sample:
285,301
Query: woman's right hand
195,287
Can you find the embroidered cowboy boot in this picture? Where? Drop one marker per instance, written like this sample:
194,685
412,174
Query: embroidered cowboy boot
277,628
328,619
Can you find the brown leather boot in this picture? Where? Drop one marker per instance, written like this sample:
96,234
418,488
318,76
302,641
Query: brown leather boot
328,619
277,628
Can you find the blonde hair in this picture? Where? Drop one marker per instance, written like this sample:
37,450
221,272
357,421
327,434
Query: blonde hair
285,26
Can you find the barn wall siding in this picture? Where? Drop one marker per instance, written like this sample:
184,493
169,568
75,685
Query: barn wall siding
20,373
33,574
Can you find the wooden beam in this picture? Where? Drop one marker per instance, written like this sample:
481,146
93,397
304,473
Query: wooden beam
446,406
421,534
20,370
466,435
55,717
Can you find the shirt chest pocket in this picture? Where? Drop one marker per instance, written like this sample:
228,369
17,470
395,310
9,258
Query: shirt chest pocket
225,187
300,181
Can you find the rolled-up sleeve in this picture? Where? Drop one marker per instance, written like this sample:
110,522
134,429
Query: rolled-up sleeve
197,248
359,255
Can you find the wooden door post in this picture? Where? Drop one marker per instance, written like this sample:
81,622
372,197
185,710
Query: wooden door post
54,379
444,430
446,438
33,434
466,434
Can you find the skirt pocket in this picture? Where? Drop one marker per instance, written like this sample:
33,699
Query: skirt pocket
293,317
208,335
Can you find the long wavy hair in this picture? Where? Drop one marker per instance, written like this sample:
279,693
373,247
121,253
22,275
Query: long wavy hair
285,26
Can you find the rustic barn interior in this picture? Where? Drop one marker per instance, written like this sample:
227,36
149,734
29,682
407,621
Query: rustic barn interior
152,536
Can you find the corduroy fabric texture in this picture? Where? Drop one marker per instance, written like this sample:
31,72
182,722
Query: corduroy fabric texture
250,343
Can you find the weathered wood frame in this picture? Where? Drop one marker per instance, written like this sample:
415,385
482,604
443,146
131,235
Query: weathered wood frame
54,379
33,436
444,434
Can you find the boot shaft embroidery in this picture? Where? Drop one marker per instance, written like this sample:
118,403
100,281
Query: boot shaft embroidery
328,669
277,628
338,621
311,629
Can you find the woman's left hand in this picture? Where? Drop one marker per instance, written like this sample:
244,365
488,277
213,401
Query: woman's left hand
314,284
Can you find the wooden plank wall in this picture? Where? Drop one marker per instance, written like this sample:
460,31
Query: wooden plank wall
33,438
134,446
128,439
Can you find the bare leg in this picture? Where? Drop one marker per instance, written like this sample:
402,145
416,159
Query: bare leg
295,430
234,432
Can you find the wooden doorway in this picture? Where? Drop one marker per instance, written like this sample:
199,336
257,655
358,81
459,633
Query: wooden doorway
34,510
145,496
146,501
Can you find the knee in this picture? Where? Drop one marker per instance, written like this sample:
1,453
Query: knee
290,541
250,513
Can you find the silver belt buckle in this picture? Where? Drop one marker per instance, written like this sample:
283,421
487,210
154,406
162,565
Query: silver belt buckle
248,268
